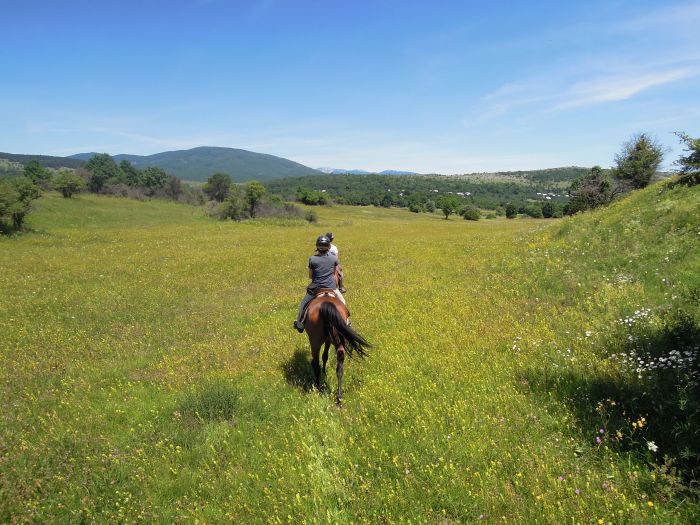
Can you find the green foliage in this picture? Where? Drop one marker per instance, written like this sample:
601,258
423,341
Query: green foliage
511,211
68,184
254,192
638,161
311,197
487,190
590,192
470,213
415,207
102,168
534,210
218,186
311,217
448,204
37,173
547,210
16,197
430,206
153,178
131,174
689,165
233,207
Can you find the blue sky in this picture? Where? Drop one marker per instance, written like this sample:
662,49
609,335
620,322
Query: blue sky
446,87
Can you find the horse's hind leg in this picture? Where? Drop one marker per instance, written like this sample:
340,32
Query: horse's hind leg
325,355
315,351
339,371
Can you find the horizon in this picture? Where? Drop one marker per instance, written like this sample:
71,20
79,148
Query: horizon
391,86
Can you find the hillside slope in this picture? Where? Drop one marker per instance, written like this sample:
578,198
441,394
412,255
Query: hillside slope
198,164
626,280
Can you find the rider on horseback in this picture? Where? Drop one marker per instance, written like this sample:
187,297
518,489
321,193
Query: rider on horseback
322,271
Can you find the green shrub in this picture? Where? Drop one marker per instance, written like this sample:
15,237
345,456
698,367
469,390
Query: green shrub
470,213
311,216
68,184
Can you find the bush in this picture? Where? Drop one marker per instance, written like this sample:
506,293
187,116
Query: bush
511,211
534,211
16,198
415,207
311,216
471,213
68,184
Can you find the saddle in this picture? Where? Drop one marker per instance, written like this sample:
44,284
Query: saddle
319,292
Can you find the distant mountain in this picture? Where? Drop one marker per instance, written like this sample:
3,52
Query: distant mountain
341,171
45,160
198,164
396,172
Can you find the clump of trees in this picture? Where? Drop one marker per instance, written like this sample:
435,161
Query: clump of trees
635,165
312,197
244,201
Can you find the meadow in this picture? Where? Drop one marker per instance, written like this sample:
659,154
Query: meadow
150,374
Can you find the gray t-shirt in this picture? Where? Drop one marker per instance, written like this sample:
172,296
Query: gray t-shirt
323,270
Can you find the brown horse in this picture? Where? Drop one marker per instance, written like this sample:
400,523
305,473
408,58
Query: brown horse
326,323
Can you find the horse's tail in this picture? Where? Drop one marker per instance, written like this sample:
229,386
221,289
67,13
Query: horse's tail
349,337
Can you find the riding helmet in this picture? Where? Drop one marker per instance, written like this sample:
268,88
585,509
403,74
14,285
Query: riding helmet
323,242
330,236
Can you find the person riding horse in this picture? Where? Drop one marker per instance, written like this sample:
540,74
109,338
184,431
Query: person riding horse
322,272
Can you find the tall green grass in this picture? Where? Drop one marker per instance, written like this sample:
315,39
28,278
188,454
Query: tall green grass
150,373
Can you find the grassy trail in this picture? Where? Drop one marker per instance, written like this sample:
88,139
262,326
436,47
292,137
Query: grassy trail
150,374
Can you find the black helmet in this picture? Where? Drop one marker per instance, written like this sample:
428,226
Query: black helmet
323,242
330,236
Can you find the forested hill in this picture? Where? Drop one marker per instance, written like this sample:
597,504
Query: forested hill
198,164
45,160
486,190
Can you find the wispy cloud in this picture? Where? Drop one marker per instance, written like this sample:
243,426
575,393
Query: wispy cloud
610,88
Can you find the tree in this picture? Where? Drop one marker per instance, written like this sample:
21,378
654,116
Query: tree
448,204
511,211
68,184
131,174
153,178
233,206
218,186
429,206
638,161
16,197
254,192
548,210
37,173
590,191
689,165
102,168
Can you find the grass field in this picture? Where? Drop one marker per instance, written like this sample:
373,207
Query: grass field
149,371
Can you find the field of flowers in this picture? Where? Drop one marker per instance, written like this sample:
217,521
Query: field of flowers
149,372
